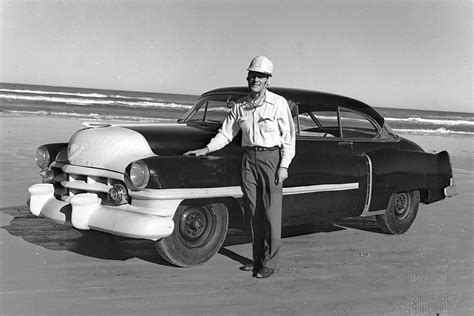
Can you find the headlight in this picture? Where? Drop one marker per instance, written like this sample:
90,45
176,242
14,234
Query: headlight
139,174
42,157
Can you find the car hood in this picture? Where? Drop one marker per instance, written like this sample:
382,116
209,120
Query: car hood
175,139
114,147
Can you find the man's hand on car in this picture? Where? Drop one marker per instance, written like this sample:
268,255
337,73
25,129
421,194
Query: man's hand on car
197,152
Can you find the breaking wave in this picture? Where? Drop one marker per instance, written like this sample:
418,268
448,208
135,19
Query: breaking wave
131,102
88,116
438,131
437,121
130,106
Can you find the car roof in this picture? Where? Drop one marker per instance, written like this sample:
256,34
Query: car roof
307,98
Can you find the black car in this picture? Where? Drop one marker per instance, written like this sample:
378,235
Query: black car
133,180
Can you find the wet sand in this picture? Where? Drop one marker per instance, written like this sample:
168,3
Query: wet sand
345,268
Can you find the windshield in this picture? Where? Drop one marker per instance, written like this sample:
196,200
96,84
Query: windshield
213,108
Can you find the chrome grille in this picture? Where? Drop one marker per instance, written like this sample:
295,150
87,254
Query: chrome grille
71,180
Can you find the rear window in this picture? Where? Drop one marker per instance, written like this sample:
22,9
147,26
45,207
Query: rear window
355,125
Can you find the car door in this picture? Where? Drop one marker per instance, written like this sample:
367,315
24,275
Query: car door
326,180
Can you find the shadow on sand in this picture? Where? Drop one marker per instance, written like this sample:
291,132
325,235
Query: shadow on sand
237,237
44,233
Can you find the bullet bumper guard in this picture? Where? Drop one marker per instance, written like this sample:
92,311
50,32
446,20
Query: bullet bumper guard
84,211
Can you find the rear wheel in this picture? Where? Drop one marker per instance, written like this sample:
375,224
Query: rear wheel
198,234
401,212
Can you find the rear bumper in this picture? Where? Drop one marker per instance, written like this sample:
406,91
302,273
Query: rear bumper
451,190
84,211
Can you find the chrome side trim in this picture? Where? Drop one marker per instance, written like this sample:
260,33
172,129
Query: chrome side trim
321,188
234,191
171,194
368,197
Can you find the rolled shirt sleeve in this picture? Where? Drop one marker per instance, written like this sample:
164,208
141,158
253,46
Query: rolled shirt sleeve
287,133
226,133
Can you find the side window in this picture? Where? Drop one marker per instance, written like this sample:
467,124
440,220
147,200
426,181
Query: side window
319,124
306,123
327,119
355,125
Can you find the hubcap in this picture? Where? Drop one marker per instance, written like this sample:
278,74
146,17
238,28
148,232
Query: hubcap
195,225
402,206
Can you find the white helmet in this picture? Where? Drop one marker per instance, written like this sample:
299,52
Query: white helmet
261,64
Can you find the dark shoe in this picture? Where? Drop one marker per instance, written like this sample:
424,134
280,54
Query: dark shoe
263,273
247,267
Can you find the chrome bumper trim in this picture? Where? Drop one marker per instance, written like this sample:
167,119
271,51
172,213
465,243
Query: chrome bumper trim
85,212
451,190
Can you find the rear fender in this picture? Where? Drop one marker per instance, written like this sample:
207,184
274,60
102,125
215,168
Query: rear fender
397,171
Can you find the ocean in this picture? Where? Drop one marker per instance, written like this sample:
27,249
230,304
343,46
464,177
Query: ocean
131,106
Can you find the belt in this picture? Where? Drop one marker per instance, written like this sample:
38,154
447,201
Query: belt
260,148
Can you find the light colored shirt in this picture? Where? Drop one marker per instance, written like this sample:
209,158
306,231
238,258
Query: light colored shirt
267,124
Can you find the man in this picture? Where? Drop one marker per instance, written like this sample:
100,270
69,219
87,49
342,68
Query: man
268,138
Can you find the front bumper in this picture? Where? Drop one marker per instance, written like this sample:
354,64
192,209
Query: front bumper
84,211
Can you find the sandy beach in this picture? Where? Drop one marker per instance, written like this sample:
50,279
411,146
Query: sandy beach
345,268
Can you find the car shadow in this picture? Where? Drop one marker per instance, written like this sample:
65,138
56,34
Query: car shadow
368,224
46,234
237,236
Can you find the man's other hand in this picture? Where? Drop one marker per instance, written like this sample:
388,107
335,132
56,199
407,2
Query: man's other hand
282,175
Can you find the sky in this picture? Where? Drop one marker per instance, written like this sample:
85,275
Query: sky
414,54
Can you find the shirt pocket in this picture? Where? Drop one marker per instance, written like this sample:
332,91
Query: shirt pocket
268,124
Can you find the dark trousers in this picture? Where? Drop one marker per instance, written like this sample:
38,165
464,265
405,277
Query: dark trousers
263,201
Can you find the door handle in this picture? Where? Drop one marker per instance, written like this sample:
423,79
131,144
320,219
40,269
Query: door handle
345,142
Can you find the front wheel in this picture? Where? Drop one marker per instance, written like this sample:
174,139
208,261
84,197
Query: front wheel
198,234
400,214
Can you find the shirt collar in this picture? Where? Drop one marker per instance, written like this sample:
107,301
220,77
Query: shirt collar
269,98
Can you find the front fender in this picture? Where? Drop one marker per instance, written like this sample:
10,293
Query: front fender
54,149
214,178
193,172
